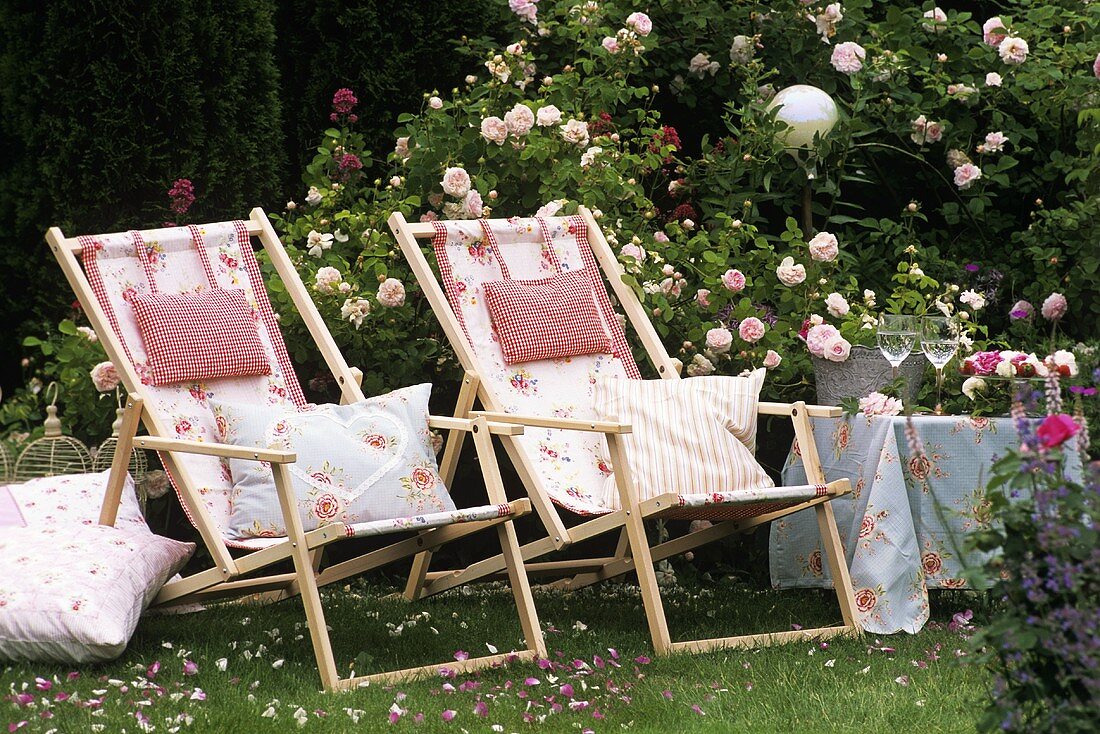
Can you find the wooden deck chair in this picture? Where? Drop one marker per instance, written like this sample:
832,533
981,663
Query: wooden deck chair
465,257
105,271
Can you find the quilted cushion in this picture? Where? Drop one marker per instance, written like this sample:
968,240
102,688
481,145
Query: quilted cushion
546,319
191,337
73,593
691,436
371,460
67,499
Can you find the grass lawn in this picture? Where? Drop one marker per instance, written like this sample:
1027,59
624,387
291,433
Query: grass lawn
255,670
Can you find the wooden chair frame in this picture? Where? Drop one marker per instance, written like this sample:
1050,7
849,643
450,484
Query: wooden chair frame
234,577
633,552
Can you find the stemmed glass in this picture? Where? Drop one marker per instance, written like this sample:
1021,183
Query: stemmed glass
897,334
939,340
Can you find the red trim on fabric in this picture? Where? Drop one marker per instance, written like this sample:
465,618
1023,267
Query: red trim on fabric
141,252
618,337
548,242
446,271
89,252
491,238
248,257
204,256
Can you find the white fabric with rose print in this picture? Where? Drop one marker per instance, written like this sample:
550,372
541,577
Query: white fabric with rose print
366,462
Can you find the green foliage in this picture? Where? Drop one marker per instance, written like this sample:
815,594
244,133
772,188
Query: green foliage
1042,646
105,105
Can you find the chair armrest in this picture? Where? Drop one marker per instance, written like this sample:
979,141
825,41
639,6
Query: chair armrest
814,411
568,424
450,423
225,450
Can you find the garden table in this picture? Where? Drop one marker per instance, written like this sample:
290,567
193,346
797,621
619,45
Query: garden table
901,536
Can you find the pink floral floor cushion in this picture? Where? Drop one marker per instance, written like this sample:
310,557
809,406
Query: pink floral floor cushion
366,462
72,499
73,593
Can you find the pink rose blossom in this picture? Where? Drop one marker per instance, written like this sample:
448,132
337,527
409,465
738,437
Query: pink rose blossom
494,130
734,280
790,274
967,174
472,205
611,44
938,18
1056,429
848,57
995,142
105,376
772,359
639,23
575,132
634,251
391,293
1096,67
989,32
925,131
519,120
1013,50
1021,310
456,181
525,9
702,297
428,216
548,115
660,237
327,280
719,340
435,103
981,363
401,148
993,79
751,329
837,305
824,247
1054,307
837,349
818,336
878,404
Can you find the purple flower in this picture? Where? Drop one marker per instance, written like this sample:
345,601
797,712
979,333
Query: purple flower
973,267
182,195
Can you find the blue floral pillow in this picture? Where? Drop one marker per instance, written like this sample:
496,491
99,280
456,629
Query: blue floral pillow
371,460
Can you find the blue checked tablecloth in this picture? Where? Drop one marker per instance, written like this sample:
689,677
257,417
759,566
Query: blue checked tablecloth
901,536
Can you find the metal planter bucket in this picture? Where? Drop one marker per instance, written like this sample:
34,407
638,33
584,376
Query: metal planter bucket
865,371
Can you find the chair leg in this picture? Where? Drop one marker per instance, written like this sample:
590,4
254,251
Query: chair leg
306,580
838,564
509,543
414,587
639,549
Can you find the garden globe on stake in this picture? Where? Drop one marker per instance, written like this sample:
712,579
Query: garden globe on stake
809,113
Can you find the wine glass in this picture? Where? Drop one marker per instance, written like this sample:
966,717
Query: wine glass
897,334
939,340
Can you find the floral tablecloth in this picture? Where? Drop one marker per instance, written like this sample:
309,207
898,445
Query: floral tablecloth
901,536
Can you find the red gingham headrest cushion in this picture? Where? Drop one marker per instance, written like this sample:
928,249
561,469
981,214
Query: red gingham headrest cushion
194,337
546,319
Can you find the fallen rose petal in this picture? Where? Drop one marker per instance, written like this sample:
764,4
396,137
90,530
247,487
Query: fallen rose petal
448,715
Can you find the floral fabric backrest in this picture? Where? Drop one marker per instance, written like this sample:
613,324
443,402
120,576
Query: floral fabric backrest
190,260
571,465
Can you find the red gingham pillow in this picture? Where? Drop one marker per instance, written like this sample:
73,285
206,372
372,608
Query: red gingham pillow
191,337
546,319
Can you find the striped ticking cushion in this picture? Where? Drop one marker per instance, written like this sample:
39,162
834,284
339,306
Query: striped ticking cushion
191,337
690,436
546,319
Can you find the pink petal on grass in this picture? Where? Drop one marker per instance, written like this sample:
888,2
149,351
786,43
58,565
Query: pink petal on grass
667,694
697,709
481,708
566,690
42,684
531,682
448,715
152,670
642,660
461,655
189,667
